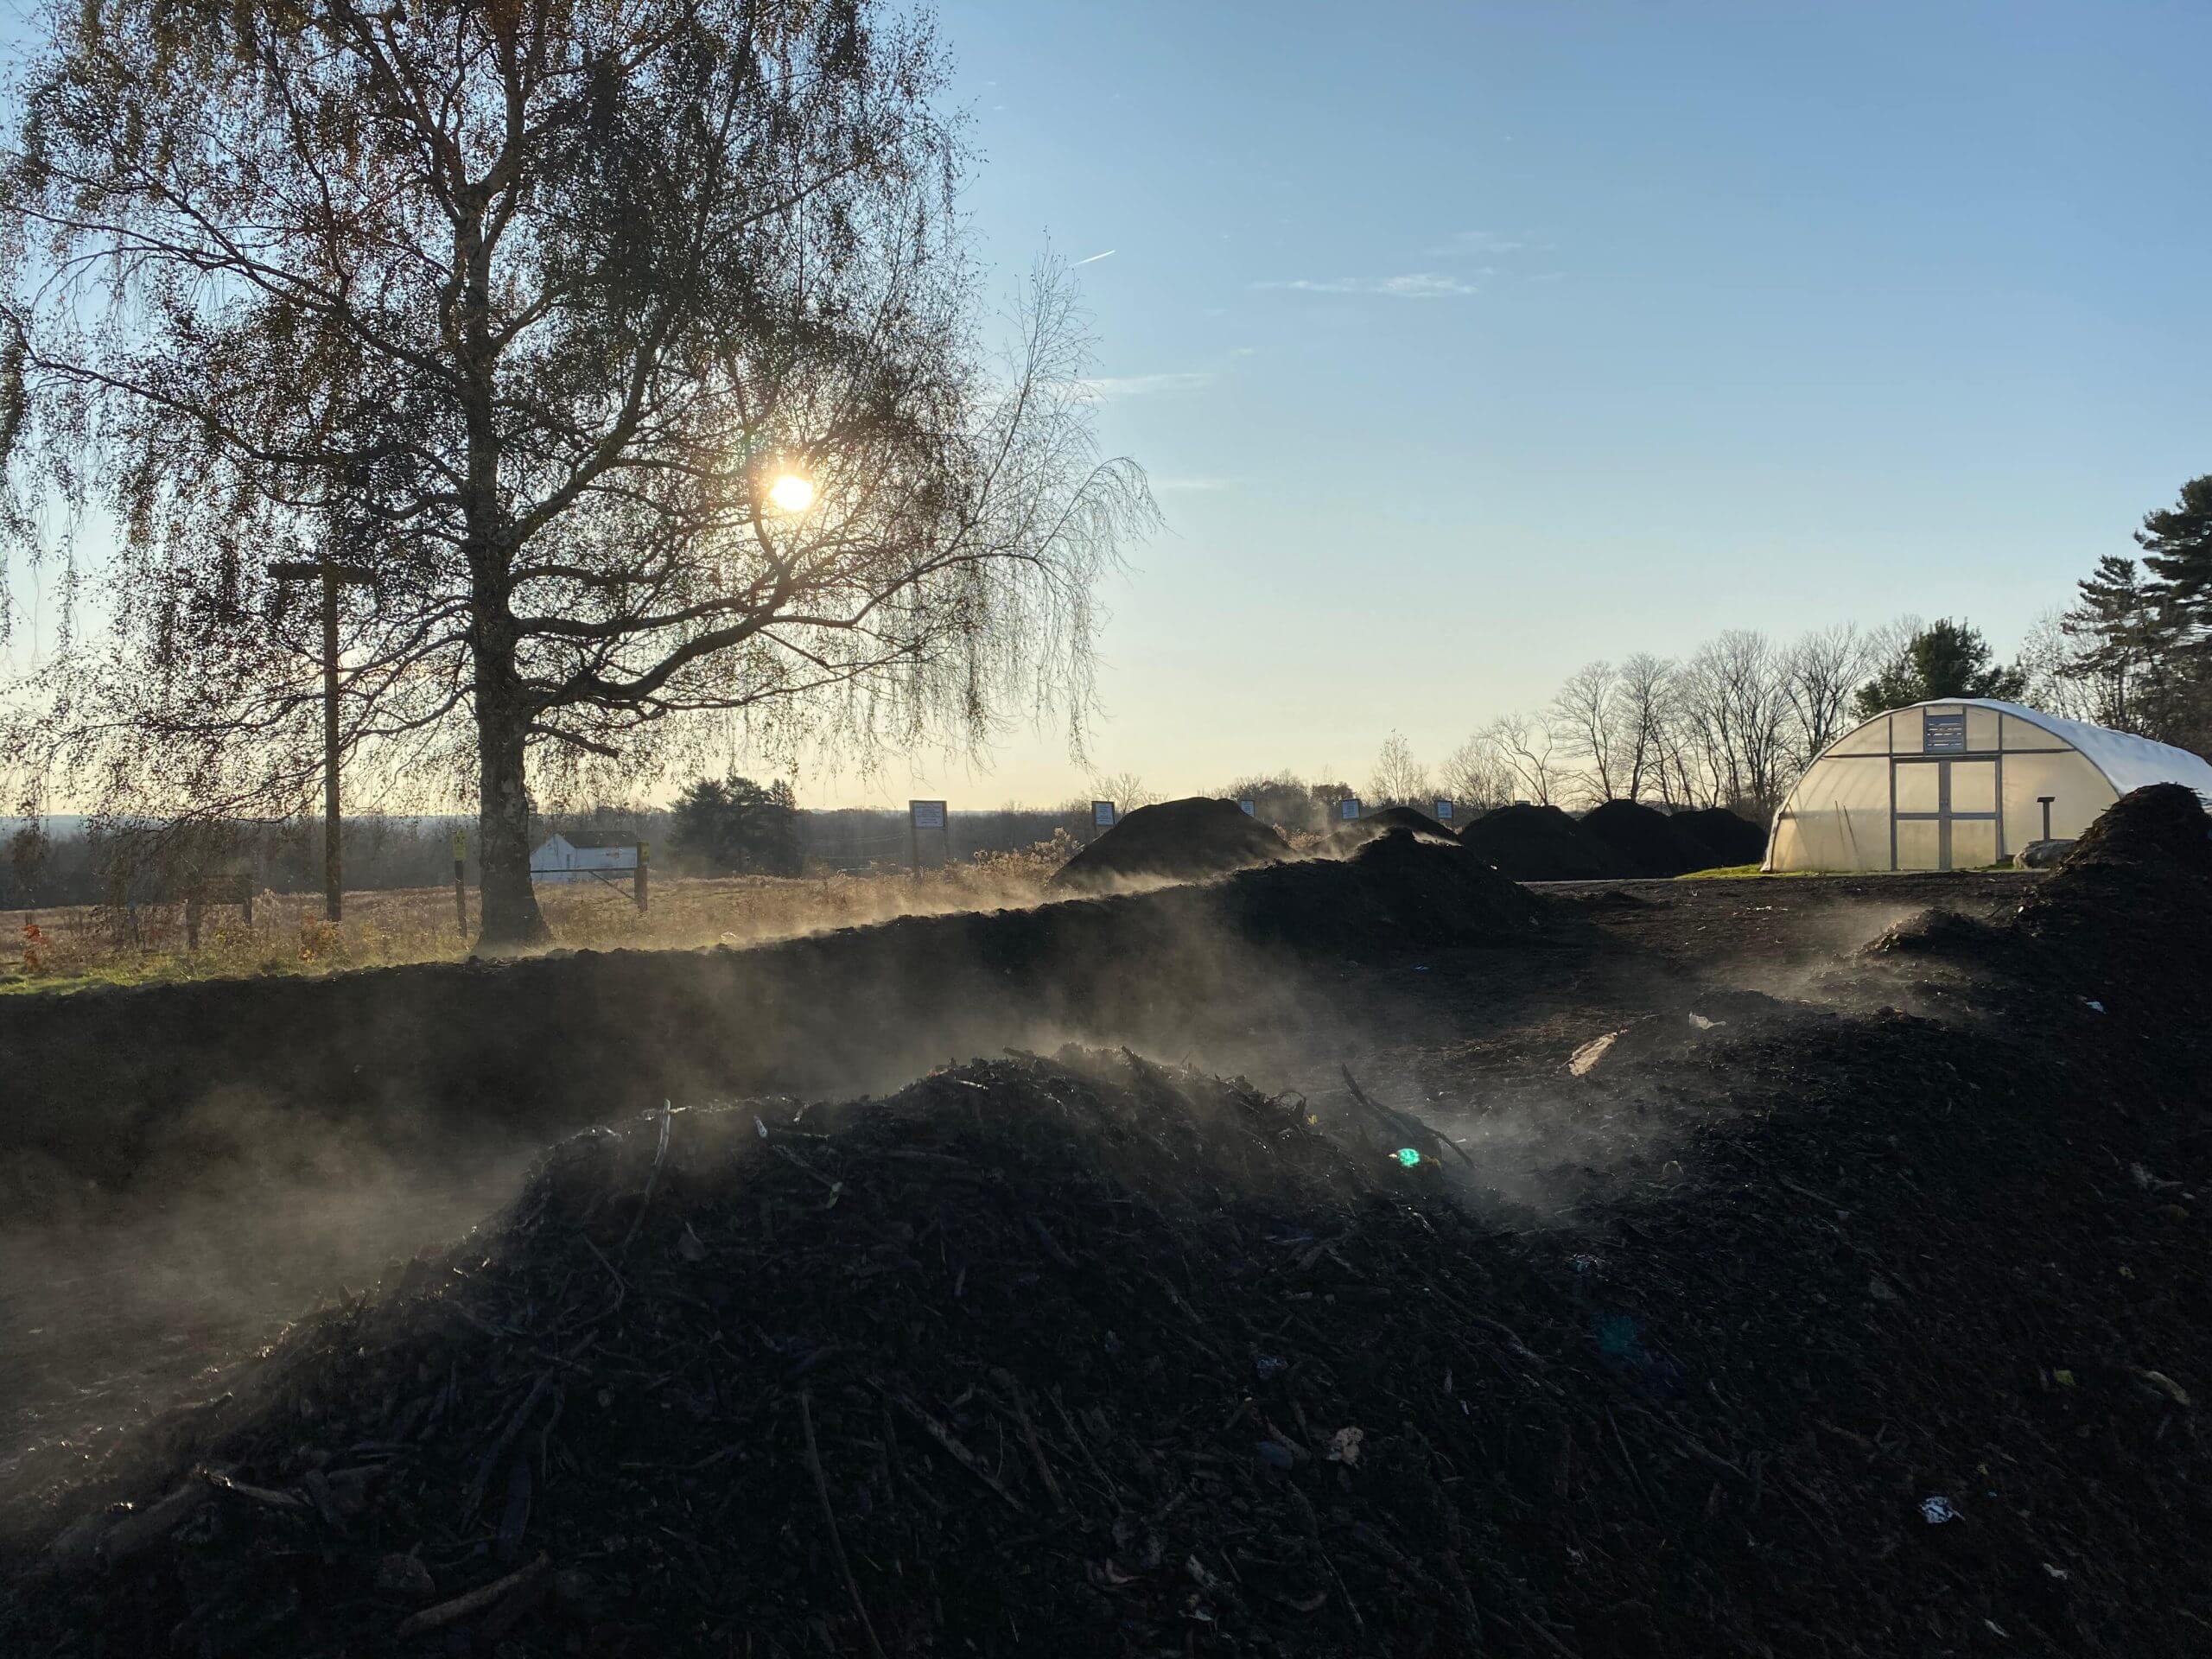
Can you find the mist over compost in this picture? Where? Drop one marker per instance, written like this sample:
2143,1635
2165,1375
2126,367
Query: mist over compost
1089,1354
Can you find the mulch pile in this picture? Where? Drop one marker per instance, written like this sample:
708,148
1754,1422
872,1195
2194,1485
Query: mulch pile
1879,1336
1346,837
1720,839
1399,887
1539,843
1183,841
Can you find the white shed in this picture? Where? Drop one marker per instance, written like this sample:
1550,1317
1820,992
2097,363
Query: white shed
585,855
1962,784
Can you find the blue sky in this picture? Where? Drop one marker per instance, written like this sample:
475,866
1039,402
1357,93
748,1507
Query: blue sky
1468,343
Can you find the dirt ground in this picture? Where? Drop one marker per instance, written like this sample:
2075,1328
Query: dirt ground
1808,1267
115,1318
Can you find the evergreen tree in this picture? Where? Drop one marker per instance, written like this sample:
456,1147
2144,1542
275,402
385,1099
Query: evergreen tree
2125,631
733,826
1945,659
2176,544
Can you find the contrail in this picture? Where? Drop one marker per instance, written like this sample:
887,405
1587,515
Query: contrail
1095,258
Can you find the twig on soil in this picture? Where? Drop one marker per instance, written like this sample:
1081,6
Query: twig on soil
660,1155
448,1612
829,1516
1413,1129
959,1454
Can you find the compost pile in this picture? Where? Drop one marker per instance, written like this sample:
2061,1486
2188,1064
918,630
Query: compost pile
1397,889
1720,839
1182,841
1346,837
1539,843
1642,839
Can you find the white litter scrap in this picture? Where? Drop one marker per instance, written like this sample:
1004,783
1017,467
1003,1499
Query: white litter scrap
1702,1023
1584,1059
1938,1510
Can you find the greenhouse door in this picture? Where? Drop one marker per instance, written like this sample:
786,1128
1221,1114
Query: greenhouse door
1944,815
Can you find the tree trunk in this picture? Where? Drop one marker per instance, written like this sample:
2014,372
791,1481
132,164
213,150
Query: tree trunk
511,915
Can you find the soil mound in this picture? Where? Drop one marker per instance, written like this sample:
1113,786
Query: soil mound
1720,839
1399,887
2127,913
1345,837
1642,839
1539,843
1186,840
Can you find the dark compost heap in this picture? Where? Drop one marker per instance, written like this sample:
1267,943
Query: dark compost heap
1719,838
1642,839
1891,1341
1182,840
1539,843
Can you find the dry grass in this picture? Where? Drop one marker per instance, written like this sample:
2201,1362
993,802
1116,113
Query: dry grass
69,948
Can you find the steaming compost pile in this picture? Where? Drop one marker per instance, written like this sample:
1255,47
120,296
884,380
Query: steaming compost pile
1874,1334
1720,839
1182,841
1539,843
1346,837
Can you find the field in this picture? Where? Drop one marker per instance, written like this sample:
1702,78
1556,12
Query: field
70,947
1620,1268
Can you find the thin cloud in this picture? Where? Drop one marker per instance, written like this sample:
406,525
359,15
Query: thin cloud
1182,486
1095,258
1465,244
1144,385
1413,285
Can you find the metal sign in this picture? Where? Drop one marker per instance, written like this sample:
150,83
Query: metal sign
459,845
1101,813
1247,805
1443,810
1348,809
926,814
1943,734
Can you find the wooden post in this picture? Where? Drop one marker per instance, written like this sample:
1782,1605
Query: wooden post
333,576
645,861
459,890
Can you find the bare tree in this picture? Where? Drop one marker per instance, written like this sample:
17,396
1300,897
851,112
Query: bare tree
1398,779
1736,713
1585,717
1525,746
1820,674
1644,699
1125,789
628,349
1476,775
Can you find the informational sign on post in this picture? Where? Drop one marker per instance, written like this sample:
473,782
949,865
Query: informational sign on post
1348,809
928,815
1101,815
1249,806
1443,810
1943,734
460,891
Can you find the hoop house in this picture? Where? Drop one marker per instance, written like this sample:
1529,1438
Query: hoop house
1959,784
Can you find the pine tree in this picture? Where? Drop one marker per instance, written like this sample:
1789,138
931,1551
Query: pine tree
1944,659
2176,544
2127,630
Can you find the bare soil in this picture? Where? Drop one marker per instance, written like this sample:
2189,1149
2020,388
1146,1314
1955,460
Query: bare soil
1852,1300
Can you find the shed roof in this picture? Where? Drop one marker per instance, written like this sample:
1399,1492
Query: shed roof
583,838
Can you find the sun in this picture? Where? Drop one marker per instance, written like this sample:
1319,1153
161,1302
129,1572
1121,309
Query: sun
792,493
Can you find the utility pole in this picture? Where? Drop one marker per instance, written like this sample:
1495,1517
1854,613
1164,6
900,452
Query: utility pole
333,576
